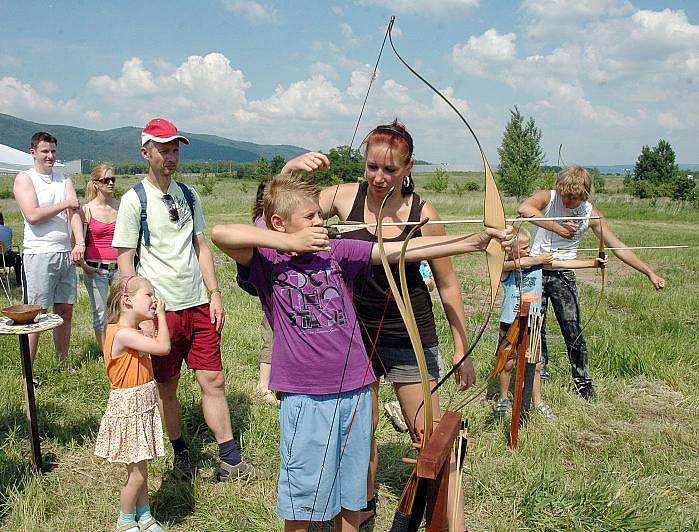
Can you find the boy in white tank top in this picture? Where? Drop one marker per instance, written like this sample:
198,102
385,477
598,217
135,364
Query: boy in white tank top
570,198
51,214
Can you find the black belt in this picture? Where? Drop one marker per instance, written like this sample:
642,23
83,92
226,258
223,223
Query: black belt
102,265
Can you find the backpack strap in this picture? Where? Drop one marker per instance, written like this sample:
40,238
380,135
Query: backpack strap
143,231
189,198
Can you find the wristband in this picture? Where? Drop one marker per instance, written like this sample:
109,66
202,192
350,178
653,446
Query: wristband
217,290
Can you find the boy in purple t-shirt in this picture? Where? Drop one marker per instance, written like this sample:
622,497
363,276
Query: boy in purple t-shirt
304,281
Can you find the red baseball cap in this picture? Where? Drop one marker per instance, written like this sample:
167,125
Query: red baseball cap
162,131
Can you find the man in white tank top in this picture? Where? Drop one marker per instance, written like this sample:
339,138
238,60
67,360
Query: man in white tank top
51,214
570,198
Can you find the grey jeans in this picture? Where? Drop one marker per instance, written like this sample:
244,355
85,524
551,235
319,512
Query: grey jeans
97,285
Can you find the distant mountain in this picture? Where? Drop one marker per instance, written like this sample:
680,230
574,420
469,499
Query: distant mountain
121,144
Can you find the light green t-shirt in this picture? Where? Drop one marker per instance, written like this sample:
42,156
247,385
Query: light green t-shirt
170,262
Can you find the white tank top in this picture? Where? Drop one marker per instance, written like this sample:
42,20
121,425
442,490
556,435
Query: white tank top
545,240
54,234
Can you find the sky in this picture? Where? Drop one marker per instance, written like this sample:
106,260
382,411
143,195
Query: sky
601,77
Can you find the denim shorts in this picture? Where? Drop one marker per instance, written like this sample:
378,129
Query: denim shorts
399,365
323,471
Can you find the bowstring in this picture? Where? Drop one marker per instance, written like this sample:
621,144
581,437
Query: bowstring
482,329
366,98
357,319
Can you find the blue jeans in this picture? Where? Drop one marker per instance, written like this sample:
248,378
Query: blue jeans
97,285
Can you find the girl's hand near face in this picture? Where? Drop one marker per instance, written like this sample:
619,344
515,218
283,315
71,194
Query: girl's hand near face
160,307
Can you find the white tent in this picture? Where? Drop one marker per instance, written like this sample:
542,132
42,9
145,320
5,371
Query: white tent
13,161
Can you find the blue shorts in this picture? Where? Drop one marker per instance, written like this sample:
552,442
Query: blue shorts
323,471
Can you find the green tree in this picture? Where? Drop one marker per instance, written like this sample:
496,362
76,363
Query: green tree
262,169
657,174
277,164
345,166
439,182
520,155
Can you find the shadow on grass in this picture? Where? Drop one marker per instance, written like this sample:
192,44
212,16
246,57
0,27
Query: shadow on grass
55,423
175,500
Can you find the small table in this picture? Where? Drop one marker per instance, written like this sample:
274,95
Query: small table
43,322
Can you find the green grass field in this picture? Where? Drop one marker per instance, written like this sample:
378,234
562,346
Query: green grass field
629,461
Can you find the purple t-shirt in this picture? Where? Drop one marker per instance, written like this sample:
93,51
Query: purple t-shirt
307,300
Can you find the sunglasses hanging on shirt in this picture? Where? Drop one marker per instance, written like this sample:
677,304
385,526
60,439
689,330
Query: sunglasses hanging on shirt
171,207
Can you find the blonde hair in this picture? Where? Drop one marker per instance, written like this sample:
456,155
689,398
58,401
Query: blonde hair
575,181
520,236
126,285
98,172
284,195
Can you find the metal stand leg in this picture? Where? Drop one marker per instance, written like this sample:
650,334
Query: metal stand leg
29,401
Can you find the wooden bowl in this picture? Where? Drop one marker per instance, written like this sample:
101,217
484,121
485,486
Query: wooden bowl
21,314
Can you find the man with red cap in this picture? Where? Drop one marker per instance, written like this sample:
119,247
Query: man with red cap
161,225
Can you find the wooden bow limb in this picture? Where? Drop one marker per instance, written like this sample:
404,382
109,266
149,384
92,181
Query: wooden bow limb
419,349
522,343
350,225
411,506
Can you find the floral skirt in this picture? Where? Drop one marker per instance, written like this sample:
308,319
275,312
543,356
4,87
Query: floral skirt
131,430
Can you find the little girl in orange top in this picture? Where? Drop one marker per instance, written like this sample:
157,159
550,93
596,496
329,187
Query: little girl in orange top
131,432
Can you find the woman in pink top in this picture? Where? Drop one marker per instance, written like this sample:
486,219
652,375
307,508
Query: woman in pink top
100,264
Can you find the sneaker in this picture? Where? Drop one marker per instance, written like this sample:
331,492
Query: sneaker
501,407
395,414
243,470
588,393
545,374
546,411
182,467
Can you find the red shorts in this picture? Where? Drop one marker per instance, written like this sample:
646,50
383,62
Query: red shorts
194,339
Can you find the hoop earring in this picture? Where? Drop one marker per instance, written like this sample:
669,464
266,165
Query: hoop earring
406,181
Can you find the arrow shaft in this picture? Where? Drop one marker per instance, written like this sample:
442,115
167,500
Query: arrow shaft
622,248
350,225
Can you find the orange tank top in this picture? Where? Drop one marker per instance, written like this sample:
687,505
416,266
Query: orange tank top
129,369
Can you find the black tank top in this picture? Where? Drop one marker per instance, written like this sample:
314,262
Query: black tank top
370,292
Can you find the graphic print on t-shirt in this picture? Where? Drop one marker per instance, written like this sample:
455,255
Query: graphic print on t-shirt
183,212
312,300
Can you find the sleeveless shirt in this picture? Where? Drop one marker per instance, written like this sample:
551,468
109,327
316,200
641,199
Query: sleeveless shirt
129,369
544,240
99,238
370,292
53,235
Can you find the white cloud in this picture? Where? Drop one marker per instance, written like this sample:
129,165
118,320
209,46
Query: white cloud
669,121
253,11
635,55
135,80
323,69
313,98
22,99
424,6
478,53
204,91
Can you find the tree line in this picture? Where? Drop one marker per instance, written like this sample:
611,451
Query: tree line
655,174
521,171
